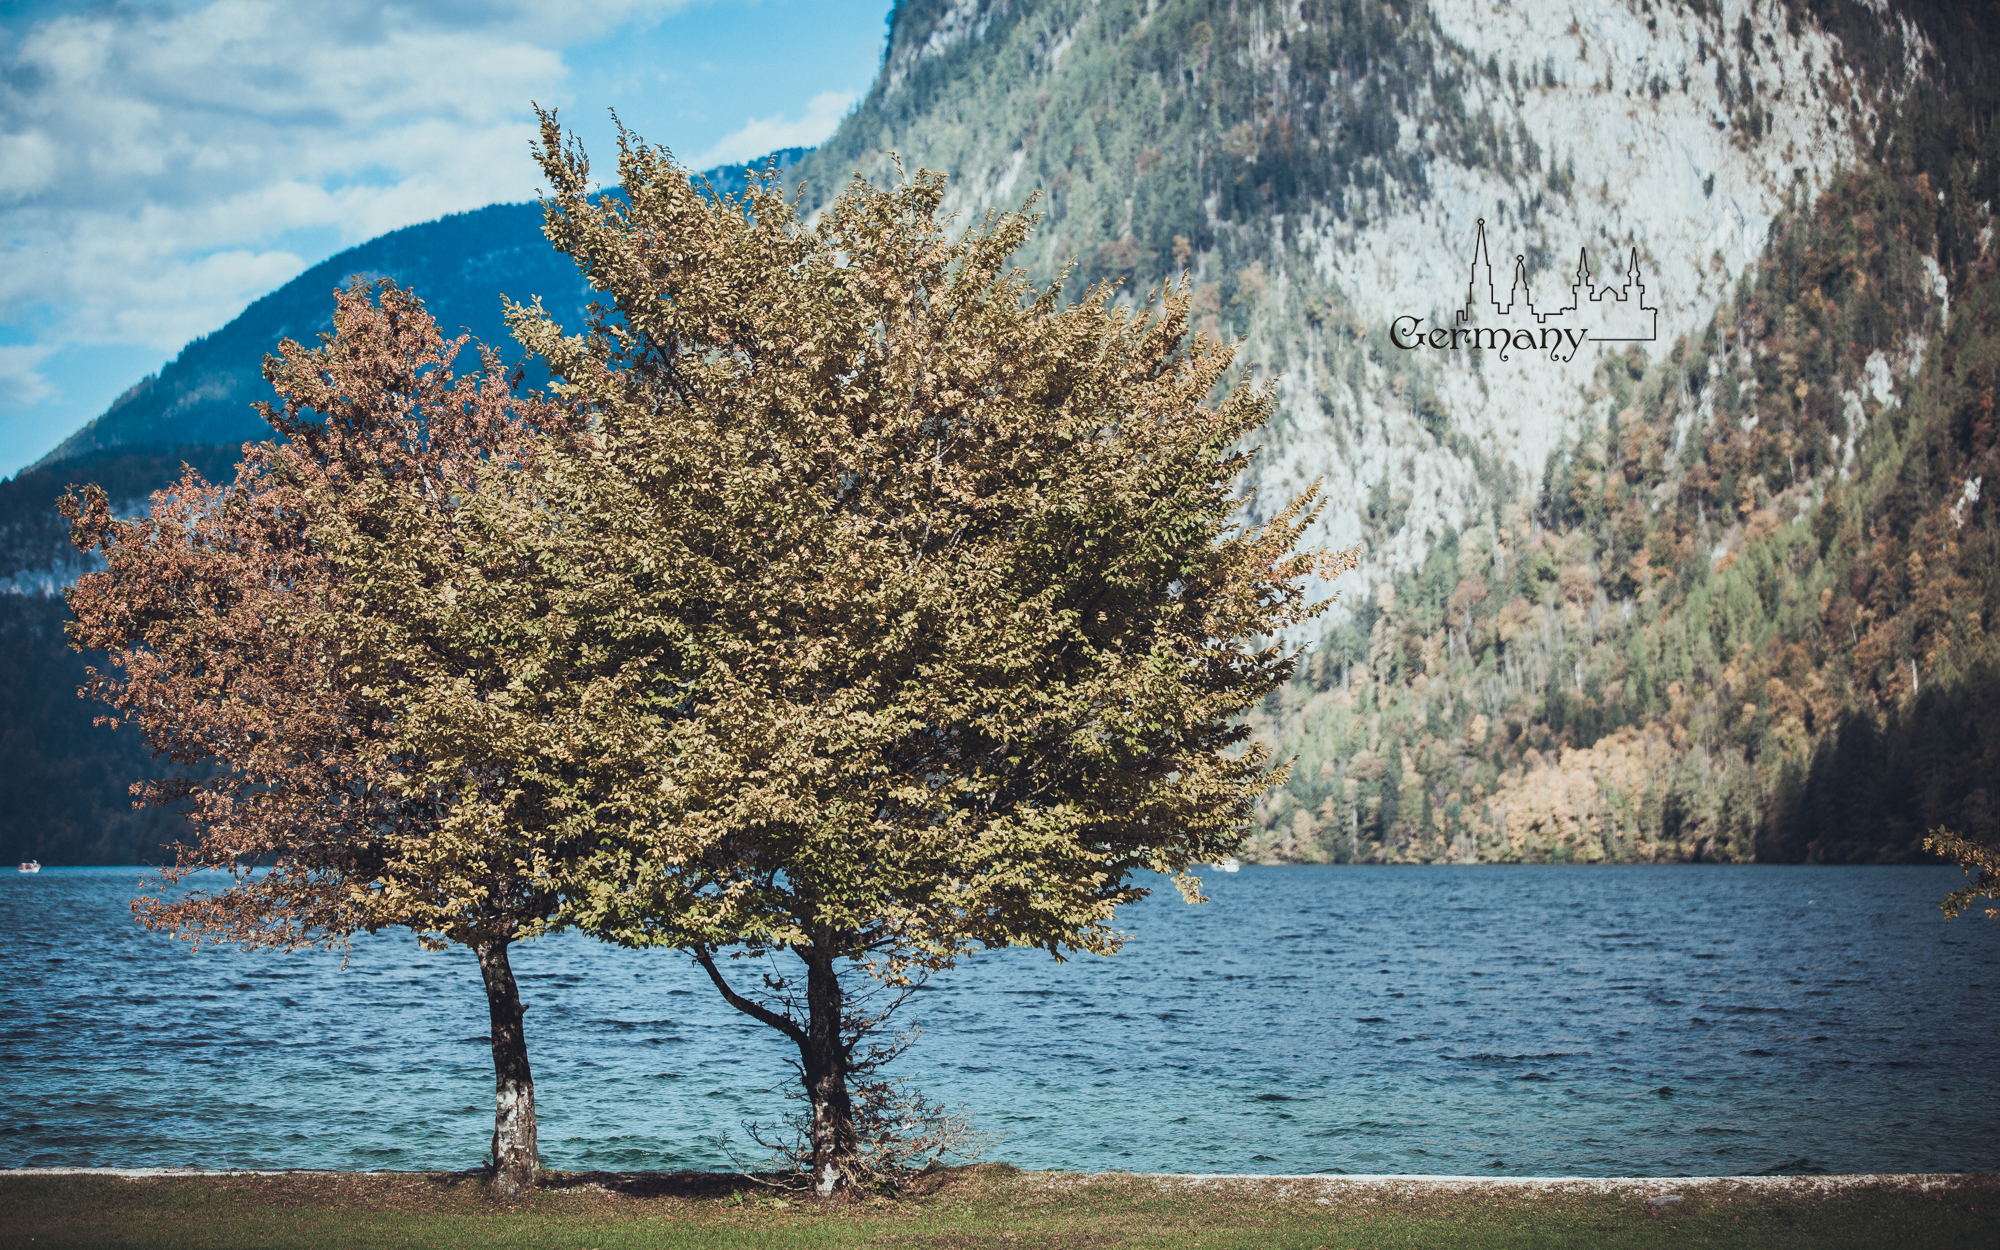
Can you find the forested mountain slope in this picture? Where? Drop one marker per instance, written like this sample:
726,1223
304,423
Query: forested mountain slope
1745,615
1720,594
464,263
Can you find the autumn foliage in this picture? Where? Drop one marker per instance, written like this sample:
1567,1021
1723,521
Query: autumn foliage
249,635
954,570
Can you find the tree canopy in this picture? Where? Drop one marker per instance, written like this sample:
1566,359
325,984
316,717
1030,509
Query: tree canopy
269,630
955,568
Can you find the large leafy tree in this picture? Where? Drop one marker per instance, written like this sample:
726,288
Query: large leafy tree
956,576
266,634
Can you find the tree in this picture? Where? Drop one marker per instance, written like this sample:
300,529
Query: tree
1980,862
955,569
255,640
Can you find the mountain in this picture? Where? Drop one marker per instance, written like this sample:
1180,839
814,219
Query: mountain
1720,594
1321,168
1716,583
463,264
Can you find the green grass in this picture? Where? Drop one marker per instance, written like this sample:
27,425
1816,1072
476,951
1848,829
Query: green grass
988,1206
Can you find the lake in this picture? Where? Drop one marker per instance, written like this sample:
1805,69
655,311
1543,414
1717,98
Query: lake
1595,1021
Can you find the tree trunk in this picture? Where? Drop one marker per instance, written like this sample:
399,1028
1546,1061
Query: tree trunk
836,1155
516,1155
835,1161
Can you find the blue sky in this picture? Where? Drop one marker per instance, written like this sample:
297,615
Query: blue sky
163,164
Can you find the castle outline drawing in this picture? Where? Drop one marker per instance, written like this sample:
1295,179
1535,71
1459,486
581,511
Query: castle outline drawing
1614,313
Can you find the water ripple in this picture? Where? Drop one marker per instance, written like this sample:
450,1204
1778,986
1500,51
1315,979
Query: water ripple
1608,1021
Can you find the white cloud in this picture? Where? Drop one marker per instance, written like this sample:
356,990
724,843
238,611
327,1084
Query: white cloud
151,158
165,162
20,384
763,135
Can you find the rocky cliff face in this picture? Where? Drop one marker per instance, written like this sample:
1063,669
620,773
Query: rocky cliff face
1322,168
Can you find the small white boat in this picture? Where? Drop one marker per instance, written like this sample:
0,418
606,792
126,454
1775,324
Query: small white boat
31,866
1231,864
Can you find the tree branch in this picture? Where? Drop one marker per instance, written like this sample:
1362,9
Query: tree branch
756,1012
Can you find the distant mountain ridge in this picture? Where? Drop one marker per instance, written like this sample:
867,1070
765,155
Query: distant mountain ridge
461,265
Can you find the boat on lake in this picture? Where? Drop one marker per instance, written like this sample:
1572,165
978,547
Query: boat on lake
31,866
1230,864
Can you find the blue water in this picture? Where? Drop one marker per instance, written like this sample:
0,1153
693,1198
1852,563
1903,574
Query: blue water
1504,1021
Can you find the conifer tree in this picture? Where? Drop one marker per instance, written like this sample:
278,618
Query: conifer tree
955,572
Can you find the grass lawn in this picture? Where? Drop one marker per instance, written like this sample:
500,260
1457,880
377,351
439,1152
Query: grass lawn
988,1206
